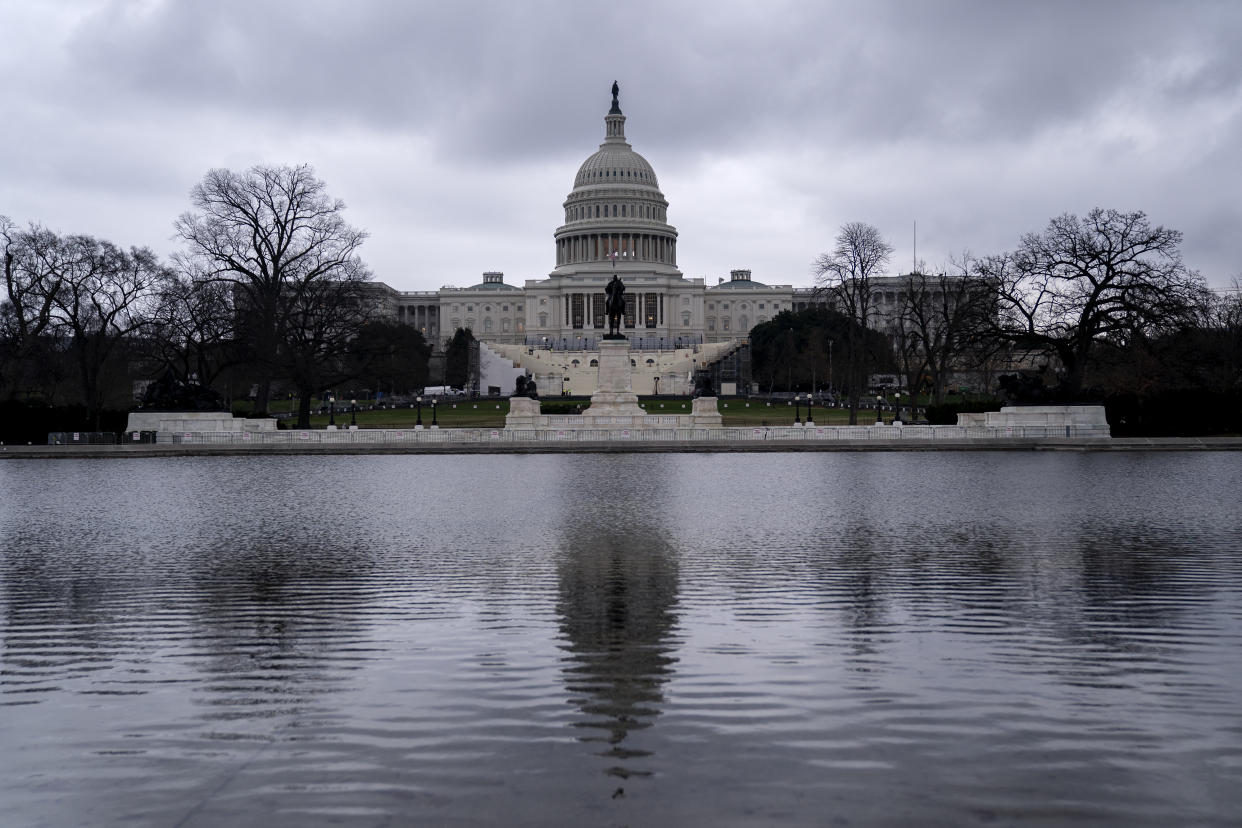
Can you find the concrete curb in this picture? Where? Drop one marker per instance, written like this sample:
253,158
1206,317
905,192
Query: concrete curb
787,445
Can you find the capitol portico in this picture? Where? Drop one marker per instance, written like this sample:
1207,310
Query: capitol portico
615,222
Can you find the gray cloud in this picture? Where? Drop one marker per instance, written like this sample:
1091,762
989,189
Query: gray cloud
454,130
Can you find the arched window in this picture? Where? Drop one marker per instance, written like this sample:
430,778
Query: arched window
651,362
574,363
543,320
595,363
623,210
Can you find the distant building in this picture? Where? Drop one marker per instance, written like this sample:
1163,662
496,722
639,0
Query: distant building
615,222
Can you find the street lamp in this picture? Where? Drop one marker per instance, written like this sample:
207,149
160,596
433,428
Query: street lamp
418,422
879,412
332,410
797,411
433,413
809,398
353,413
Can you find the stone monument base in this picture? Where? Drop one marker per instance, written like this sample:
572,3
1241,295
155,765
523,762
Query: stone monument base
194,421
614,396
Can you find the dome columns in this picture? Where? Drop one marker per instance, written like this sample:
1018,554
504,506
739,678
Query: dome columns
600,247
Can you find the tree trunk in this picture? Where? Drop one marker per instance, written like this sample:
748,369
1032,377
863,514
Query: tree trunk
304,404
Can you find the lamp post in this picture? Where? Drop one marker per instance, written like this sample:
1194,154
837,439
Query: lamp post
809,398
353,413
434,424
332,410
797,411
418,422
879,411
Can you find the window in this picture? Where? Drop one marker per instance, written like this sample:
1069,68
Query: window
711,323
725,323
504,325
685,300
760,306
685,320
487,324
469,308
595,363
543,320
504,307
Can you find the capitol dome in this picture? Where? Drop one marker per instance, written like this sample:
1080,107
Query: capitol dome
616,164
616,212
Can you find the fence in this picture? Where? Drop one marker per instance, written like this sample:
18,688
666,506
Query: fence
646,434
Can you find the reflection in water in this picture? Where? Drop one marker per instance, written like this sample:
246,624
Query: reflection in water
935,639
274,626
617,581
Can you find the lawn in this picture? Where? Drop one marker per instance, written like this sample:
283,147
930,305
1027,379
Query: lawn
490,413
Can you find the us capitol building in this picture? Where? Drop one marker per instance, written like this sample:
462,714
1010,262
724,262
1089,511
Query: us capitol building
616,222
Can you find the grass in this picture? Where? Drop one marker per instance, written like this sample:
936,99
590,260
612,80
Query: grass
490,413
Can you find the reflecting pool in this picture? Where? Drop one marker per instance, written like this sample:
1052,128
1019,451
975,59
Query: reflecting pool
796,639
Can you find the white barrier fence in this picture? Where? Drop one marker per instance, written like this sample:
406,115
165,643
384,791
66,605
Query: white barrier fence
734,435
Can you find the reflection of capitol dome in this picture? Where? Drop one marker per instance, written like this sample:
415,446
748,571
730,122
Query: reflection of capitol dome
616,211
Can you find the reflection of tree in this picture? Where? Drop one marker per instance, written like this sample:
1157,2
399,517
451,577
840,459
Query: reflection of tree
273,624
618,593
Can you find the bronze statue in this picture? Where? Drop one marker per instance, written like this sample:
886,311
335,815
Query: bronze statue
616,104
614,307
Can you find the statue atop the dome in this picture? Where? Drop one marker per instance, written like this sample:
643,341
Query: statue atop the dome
616,104
614,307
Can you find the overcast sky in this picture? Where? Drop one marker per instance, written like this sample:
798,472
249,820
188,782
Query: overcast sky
453,130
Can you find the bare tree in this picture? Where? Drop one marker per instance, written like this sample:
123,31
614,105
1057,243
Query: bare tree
103,297
860,255
192,327
35,260
1106,276
273,233
321,324
943,323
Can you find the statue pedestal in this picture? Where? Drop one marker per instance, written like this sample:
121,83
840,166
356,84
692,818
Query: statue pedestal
523,413
705,413
614,395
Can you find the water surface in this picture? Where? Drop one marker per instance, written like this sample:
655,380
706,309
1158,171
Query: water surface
802,639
